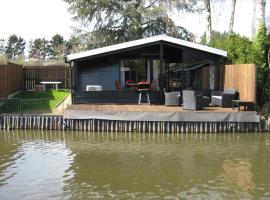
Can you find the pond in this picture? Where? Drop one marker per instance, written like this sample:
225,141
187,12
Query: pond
76,165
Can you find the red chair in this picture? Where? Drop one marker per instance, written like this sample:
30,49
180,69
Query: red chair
153,85
131,85
118,85
129,81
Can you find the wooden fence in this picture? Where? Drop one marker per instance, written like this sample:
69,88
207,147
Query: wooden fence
243,78
11,79
33,75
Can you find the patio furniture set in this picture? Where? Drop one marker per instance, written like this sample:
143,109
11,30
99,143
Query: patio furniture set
198,100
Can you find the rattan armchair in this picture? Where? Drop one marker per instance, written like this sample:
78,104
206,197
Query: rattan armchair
192,100
223,99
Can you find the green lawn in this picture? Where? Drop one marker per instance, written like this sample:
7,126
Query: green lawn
33,102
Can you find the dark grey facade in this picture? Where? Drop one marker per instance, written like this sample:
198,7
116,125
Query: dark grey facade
163,62
95,73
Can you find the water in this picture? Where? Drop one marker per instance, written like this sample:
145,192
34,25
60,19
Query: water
57,165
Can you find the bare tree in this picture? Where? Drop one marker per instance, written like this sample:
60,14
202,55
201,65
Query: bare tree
233,3
207,5
259,14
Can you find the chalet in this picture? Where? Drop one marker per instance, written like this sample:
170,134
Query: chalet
102,75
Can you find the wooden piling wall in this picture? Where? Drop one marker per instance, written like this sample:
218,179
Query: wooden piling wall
31,122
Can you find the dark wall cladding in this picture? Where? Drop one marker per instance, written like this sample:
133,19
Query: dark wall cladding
94,73
156,97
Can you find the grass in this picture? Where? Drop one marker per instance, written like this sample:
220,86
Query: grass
50,94
32,101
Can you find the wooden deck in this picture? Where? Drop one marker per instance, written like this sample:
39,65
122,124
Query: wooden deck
144,108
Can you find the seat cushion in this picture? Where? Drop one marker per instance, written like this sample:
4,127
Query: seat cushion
217,97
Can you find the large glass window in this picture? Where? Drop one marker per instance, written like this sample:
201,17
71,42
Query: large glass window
135,70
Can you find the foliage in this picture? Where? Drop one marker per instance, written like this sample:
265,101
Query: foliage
239,48
259,46
2,46
77,43
58,46
15,47
116,21
268,49
260,59
40,48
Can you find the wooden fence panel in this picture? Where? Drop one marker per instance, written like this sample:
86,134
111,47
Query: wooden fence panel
243,78
3,82
33,75
11,79
205,78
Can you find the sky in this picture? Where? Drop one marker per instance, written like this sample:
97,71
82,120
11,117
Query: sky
32,19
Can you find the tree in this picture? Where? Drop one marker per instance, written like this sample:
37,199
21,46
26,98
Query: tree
268,50
15,47
260,59
239,48
259,15
40,49
116,21
76,43
58,46
232,15
2,46
207,5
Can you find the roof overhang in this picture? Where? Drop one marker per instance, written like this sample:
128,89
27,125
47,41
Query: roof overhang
144,41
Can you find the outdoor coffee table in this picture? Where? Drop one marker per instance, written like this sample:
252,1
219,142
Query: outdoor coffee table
238,103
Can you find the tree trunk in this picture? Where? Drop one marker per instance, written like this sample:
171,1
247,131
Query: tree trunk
208,20
232,16
268,57
259,13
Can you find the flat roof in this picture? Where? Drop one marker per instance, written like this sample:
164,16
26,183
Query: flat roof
149,40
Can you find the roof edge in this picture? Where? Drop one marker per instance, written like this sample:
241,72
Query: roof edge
148,40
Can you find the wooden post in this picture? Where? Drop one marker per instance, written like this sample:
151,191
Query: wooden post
161,58
74,81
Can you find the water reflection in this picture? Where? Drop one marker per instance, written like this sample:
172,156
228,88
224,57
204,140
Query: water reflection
37,169
143,166
237,174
